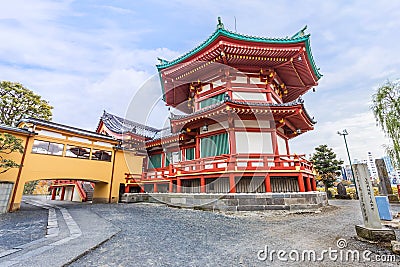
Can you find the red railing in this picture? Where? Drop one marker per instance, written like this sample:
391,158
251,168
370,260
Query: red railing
81,192
238,162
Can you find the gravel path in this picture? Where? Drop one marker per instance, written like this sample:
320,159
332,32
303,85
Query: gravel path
155,235
21,227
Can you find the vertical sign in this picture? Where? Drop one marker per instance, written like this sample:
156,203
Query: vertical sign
367,200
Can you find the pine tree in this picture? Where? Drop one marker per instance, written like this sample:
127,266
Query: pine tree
326,164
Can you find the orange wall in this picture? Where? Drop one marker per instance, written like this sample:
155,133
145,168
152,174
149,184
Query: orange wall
41,167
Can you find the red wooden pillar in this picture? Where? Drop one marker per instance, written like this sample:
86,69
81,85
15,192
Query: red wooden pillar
183,153
269,93
126,188
231,133
287,146
232,184
155,189
197,148
314,184
53,193
308,184
72,193
300,180
163,156
171,186
142,188
62,193
202,184
178,185
275,148
268,183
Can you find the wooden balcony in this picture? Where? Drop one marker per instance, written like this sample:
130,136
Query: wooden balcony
226,163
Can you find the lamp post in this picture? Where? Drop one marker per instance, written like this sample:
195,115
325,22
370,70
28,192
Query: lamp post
344,133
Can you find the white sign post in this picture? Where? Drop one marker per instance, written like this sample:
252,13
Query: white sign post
372,228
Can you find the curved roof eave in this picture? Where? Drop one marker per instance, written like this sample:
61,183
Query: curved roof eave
222,32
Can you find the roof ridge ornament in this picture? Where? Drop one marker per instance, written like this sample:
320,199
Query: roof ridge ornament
220,25
300,33
162,61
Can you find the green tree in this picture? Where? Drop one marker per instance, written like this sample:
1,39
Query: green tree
326,164
17,102
386,108
9,144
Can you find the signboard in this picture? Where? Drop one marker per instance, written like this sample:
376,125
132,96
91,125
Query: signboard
383,208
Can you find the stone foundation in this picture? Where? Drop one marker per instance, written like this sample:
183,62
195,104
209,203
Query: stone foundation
234,202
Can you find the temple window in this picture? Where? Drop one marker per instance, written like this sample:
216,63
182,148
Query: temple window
77,152
101,155
189,153
48,148
168,158
212,100
154,161
214,145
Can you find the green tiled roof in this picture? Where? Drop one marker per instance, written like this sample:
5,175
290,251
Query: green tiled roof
221,31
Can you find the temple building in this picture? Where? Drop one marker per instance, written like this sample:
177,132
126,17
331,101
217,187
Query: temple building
235,103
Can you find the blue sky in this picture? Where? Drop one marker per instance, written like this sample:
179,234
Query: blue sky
87,56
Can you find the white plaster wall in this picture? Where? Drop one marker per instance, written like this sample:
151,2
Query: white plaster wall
263,124
281,146
240,79
255,80
247,142
249,96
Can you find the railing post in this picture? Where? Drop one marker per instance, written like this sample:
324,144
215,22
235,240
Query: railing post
170,169
277,160
231,162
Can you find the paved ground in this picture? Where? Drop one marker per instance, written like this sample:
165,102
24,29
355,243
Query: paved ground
22,227
155,235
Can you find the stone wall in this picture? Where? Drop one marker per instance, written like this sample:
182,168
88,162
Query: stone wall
5,194
234,202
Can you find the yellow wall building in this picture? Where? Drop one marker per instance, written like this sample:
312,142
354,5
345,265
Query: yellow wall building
54,151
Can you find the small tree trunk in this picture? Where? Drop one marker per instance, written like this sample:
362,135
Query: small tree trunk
328,193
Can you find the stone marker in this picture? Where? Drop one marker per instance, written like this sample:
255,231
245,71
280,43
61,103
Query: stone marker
385,187
384,208
372,228
342,193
